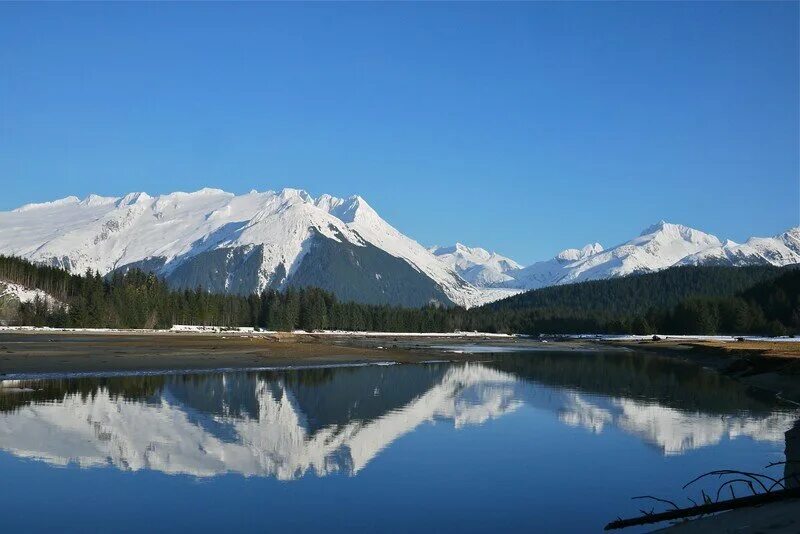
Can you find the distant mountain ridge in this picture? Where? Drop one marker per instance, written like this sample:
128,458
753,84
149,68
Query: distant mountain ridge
658,247
476,265
247,243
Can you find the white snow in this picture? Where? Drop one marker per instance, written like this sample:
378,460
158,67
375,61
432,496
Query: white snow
23,294
780,250
250,332
476,265
103,233
658,247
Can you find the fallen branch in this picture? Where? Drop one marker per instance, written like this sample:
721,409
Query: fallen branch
707,508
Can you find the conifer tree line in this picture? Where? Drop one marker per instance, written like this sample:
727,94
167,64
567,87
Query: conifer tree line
685,300
141,300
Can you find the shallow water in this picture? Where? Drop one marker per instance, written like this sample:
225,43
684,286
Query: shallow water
524,441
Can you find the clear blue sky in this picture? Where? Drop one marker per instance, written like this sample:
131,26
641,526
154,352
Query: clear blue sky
523,128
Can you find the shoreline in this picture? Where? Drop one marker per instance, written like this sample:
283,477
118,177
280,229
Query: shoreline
768,365
49,353
60,354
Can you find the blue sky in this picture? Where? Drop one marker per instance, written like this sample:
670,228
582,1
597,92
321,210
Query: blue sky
524,128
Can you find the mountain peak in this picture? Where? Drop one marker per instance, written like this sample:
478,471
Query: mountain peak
289,193
60,202
661,226
97,200
592,248
134,198
347,209
574,254
667,232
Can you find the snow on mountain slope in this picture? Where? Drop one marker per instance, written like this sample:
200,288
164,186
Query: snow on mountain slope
360,216
247,243
552,271
780,250
476,265
105,234
658,247
240,243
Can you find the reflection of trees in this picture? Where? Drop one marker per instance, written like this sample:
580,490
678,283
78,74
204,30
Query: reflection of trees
130,388
336,395
671,382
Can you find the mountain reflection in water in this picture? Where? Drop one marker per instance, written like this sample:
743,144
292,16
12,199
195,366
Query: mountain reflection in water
324,421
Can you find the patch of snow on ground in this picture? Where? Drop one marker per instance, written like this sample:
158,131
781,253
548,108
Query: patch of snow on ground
23,294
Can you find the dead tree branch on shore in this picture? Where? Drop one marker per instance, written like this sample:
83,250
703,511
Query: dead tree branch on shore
707,508
753,481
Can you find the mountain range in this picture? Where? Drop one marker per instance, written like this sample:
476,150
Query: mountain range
248,243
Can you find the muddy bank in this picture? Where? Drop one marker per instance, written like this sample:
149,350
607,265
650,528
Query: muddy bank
64,352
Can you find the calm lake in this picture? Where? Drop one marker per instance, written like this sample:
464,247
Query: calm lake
541,441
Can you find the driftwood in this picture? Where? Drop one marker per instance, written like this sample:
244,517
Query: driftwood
707,508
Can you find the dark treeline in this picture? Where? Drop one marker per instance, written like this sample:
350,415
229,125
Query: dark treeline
141,300
635,295
681,300
707,300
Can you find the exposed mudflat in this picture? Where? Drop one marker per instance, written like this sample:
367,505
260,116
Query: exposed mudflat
66,352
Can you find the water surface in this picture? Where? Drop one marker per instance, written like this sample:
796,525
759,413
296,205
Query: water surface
523,441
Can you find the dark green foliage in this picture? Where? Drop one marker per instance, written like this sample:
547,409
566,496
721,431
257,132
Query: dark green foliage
684,300
135,299
635,295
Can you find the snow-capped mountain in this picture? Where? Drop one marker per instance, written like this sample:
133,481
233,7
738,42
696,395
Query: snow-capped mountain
783,249
248,243
241,244
476,265
658,247
552,271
